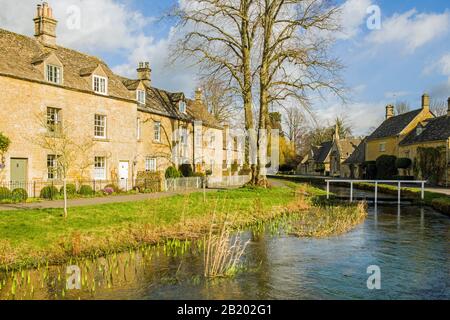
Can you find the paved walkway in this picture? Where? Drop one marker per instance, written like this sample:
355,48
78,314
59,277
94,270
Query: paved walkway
97,201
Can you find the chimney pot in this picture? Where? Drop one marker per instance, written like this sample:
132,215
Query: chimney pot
45,25
144,73
199,94
448,107
389,111
425,101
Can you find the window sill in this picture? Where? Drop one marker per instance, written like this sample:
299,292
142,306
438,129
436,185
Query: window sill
101,139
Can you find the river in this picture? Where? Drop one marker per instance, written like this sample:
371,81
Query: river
410,245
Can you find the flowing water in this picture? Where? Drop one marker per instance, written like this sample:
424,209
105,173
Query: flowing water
410,245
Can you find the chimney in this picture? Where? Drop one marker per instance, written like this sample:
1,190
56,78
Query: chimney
199,95
448,107
45,25
426,101
145,73
389,111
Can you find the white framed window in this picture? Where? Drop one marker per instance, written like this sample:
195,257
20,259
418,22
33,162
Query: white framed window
184,136
382,146
182,106
157,131
140,96
53,74
53,119
100,168
100,85
53,172
150,164
138,128
100,126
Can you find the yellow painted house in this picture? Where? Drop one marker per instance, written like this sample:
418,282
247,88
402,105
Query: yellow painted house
386,138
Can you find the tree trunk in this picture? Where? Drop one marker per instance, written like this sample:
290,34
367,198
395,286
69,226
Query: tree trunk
65,197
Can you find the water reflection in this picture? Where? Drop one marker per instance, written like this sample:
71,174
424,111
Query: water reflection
409,244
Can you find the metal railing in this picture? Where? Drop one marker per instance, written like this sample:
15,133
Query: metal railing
376,182
180,184
34,188
227,181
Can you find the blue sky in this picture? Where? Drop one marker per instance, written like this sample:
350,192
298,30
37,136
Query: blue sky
410,54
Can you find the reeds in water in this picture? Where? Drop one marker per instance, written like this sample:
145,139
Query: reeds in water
221,254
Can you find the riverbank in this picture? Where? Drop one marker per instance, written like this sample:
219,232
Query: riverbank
29,238
437,200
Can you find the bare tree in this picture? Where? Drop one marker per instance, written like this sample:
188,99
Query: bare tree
68,150
218,98
294,55
219,36
402,107
438,107
294,121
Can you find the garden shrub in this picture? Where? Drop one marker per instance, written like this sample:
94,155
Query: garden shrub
86,190
5,194
208,172
149,180
371,169
403,163
286,167
172,172
19,195
186,170
115,188
49,192
71,189
108,191
386,168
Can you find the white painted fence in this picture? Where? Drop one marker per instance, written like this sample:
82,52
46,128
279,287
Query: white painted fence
376,182
182,184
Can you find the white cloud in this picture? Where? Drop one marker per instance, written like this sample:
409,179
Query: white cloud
411,30
353,14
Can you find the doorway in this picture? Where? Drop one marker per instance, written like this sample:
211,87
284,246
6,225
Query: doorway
123,175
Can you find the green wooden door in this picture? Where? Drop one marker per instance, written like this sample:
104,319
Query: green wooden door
19,168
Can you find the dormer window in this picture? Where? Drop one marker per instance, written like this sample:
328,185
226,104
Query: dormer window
182,106
419,131
53,74
140,96
100,85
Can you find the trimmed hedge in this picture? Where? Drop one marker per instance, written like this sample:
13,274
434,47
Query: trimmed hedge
172,172
86,190
71,189
403,163
386,168
49,192
5,194
19,195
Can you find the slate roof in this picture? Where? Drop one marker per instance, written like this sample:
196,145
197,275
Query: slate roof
358,155
158,101
436,129
19,55
323,152
393,126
